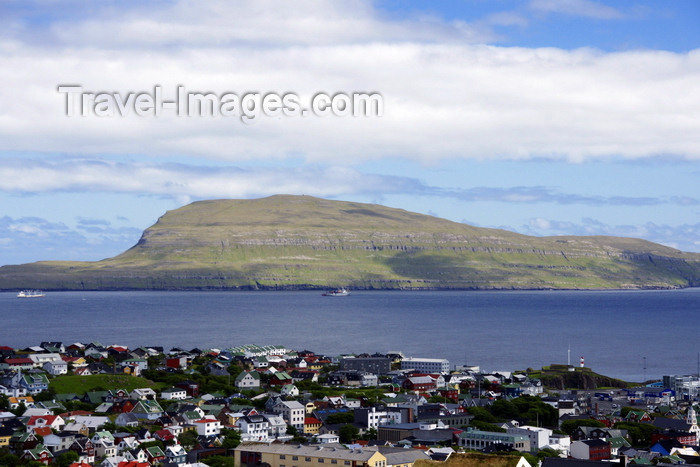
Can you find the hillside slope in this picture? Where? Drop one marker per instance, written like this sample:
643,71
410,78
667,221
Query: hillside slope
295,242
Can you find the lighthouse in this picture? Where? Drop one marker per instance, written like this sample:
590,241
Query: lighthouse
581,364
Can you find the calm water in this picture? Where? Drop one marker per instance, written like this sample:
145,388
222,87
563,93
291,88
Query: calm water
634,335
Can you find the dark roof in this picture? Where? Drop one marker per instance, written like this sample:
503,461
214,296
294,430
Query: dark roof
561,462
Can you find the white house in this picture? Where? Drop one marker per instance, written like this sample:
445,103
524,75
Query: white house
143,394
292,412
539,437
174,394
56,367
40,358
248,380
253,427
289,390
208,427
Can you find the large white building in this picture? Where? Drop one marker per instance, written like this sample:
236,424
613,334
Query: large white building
539,437
426,365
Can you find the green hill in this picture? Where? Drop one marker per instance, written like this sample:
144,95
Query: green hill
301,242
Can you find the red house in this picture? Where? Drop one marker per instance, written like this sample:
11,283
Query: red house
420,383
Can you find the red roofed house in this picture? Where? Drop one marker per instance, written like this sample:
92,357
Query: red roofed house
208,427
19,363
312,425
55,422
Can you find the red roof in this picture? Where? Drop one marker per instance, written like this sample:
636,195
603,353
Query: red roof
49,419
43,430
19,361
133,464
312,421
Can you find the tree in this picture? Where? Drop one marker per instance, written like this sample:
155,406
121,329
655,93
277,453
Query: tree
188,439
219,461
370,434
66,459
232,438
639,433
481,414
4,402
45,395
348,433
337,418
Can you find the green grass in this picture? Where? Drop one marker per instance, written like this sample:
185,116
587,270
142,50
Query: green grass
72,384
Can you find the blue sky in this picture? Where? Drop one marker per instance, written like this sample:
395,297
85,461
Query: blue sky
544,117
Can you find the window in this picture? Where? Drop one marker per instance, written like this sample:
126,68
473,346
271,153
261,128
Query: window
321,460
307,459
334,461
282,456
295,458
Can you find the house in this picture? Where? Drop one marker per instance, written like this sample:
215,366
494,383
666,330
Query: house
312,425
127,419
143,394
191,387
103,441
59,441
85,449
277,427
154,455
38,454
21,441
34,383
304,375
175,454
480,440
289,390
17,364
280,378
208,427
253,427
56,367
247,380
539,437
420,384
55,422
40,358
174,394
147,409
293,413
590,449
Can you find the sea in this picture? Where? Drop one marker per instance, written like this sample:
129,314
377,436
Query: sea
632,335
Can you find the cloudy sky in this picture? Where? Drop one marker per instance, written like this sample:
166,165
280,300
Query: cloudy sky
545,117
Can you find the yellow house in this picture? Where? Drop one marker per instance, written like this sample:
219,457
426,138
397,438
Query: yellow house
312,425
321,455
5,435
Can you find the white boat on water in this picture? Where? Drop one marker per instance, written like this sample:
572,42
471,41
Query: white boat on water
336,293
30,294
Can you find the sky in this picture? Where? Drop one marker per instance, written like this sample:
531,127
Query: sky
543,117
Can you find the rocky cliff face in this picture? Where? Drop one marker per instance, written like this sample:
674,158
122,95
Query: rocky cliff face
292,242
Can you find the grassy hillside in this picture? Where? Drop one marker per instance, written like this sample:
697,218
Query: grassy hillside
290,242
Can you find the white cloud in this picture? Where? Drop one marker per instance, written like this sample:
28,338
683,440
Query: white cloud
444,95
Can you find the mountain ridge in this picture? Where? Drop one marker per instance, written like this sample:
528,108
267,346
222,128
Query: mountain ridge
302,242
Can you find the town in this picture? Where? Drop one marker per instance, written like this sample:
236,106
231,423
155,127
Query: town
111,406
